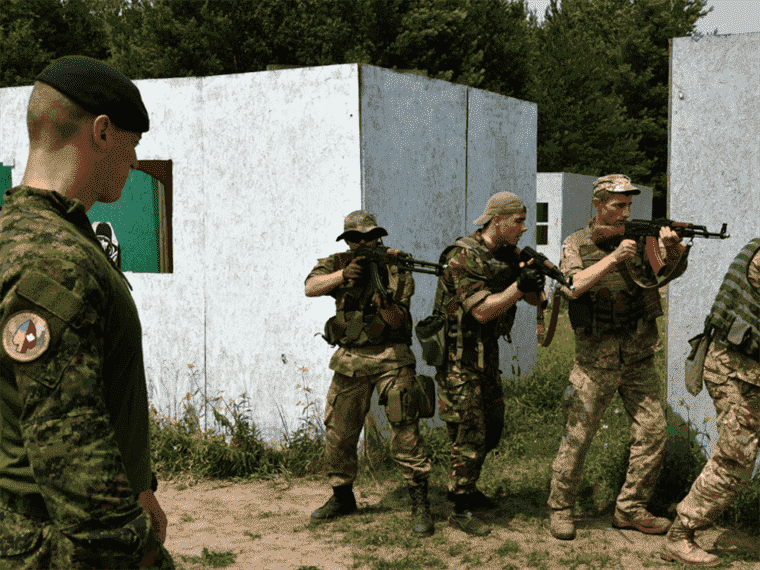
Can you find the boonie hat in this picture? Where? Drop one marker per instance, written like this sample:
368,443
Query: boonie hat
363,222
501,203
99,89
616,183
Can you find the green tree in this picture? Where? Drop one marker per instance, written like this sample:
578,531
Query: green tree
600,79
34,32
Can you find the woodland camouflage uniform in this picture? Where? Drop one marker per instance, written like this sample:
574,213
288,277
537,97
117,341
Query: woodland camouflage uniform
470,395
75,448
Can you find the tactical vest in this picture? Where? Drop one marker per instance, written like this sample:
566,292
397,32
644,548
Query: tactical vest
358,323
735,314
502,326
615,302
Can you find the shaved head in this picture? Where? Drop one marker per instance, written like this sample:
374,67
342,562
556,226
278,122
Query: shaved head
51,118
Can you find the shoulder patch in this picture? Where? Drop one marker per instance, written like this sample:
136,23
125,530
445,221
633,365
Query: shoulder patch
50,295
25,336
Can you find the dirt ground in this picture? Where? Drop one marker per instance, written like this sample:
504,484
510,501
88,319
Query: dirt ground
266,527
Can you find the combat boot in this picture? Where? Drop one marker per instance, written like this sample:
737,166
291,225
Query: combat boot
341,503
422,520
643,521
561,524
463,519
478,501
680,545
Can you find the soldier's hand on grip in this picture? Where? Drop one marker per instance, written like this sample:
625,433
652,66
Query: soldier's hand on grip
353,270
530,281
626,250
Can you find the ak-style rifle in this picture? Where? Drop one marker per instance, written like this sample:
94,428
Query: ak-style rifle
650,230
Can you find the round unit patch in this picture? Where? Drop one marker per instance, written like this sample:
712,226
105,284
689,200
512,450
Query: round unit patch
25,336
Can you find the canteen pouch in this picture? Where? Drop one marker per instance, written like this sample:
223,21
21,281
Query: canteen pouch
695,363
431,334
333,331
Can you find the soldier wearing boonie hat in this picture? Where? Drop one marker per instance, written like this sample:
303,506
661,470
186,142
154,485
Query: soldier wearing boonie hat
614,322
71,340
361,222
470,395
374,353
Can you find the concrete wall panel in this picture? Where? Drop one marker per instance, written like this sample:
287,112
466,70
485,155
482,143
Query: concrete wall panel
501,157
14,139
714,169
268,221
413,165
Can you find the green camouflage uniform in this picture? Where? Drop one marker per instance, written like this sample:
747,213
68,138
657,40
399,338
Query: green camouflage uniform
470,395
613,353
367,362
74,444
733,381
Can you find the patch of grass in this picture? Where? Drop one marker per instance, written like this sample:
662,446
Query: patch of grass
588,561
509,548
253,536
457,549
537,559
211,559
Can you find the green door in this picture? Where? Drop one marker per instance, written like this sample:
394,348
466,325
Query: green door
135,221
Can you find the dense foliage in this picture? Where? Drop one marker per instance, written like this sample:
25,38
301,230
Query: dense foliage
597,69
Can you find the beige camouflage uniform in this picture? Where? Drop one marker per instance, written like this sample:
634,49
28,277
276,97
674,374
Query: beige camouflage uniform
359,370
609,361
733,381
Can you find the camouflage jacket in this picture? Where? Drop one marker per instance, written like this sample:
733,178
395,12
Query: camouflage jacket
465,282
74,444
724,360
604,347
370,359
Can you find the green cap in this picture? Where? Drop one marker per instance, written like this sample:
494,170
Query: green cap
99,89
362,222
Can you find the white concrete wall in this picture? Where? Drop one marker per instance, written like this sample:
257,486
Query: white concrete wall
265,167
714,178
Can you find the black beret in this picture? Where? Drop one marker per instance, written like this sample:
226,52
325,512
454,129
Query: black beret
98,89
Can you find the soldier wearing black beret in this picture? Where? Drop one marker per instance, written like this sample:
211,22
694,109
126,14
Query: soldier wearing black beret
75,473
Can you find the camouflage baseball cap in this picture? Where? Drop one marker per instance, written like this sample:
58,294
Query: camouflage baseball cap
362,222
501,203
615,183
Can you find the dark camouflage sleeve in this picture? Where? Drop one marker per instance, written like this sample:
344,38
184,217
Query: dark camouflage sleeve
65,425
466,277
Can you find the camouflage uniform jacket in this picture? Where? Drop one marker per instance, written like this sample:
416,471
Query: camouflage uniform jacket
465,281
724,360
369,360
74,443
604,346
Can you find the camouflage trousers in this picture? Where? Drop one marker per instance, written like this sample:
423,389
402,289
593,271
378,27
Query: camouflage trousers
585,400
348,403
472,405
27,544
733,459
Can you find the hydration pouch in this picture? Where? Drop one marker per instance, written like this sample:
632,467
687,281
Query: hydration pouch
431,334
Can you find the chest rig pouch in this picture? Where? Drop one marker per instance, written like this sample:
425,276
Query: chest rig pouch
615,302
357,322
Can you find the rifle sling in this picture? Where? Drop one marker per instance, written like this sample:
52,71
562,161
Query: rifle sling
665,280
556,302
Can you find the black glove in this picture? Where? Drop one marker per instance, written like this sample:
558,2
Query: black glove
530,281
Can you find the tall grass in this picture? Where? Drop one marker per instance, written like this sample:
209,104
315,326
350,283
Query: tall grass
518,472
